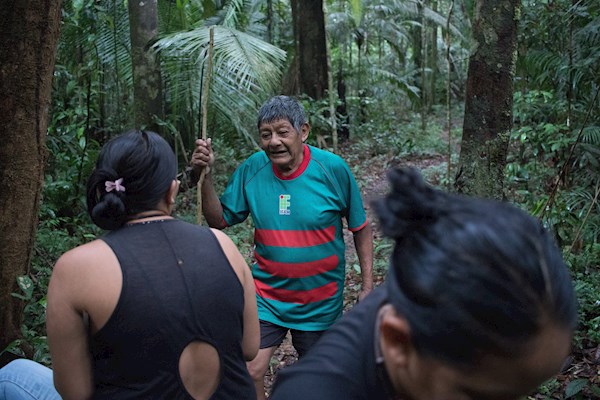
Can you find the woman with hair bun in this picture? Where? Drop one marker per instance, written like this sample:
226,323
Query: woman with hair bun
157,308
477,304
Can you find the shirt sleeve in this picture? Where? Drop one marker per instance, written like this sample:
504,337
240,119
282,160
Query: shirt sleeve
233,200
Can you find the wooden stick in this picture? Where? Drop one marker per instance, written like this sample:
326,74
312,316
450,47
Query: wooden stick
205,87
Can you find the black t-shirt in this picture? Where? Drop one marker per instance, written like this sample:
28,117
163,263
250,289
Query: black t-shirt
342,363
178,287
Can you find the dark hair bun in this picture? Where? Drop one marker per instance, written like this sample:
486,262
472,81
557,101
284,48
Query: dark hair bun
108,211
411,205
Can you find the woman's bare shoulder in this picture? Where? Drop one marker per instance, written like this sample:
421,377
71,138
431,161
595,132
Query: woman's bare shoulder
88,256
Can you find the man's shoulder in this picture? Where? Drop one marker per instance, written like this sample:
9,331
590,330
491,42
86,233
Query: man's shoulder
254,163
326,158
257,158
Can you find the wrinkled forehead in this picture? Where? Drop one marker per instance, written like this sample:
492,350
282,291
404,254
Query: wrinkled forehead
274,123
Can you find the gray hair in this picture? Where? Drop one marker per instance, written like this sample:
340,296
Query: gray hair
282,107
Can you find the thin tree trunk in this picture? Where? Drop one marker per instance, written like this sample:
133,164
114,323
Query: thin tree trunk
330,91
489,99
570,80
433,56
448,93
344,127
147,83
270,21
29,35
423,48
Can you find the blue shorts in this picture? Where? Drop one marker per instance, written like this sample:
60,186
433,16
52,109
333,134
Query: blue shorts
272,335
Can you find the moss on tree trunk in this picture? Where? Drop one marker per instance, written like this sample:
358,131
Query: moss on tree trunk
147,83
488,105
311,49
29,32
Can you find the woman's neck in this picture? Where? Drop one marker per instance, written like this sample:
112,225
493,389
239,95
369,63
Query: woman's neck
149,216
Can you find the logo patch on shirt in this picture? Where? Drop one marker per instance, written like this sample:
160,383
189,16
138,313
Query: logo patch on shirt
284,204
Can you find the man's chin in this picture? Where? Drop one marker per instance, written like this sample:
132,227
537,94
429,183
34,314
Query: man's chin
279,158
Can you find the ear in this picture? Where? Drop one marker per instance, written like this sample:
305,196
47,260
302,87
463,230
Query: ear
172,192
304,130
395,341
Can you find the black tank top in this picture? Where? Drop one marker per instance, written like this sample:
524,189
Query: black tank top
178,287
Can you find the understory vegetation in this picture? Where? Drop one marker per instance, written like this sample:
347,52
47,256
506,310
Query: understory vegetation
403,104
531,178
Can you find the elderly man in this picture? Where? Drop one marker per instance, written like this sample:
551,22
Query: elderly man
297,196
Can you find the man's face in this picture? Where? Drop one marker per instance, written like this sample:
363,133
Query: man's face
283,144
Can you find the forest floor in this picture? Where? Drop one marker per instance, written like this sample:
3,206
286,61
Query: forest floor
582,367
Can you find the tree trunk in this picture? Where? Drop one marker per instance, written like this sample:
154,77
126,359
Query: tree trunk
28,37
416,40
424,99
147,83
270,21
341,110
433,60
488,104
311,48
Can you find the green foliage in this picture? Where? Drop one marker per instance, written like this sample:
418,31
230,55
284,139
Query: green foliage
535,105
549,387
556,79
586,269
93,64
552,173
317,112
245,71
382,251
560,46
396,131
577,389
581,389
54,237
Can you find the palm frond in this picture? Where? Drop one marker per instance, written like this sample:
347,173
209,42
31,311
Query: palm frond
245,69
233,11
401,81
591,135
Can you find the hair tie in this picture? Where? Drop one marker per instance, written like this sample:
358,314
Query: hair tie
116,186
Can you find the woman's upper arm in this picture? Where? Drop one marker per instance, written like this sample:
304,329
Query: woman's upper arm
251,338
67,331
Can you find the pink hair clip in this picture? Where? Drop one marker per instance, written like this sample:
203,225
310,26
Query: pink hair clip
116,185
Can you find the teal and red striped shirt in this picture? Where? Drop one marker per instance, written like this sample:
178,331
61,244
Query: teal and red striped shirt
299,246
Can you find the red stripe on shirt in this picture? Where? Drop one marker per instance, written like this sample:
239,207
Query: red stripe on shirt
297,270
296,296
279,238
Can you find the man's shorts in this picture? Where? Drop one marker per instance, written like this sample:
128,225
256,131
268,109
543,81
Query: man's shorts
272,335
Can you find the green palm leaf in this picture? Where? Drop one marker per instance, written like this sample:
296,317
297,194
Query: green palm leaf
245,70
